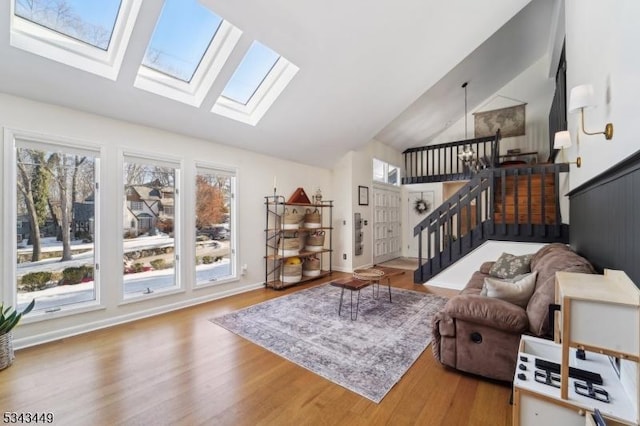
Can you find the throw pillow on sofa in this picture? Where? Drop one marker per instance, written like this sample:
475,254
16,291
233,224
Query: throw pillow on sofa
510,265
517,291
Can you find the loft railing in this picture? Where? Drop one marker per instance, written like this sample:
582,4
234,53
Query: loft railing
508,204
439,163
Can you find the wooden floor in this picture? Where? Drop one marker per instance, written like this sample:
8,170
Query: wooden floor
181,369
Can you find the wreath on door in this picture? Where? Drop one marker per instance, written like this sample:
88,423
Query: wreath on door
421,206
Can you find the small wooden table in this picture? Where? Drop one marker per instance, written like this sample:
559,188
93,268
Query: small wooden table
362,278
351,284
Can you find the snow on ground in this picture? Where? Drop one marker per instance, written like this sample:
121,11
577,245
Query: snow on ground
134,283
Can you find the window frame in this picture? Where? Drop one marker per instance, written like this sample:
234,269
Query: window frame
178,165
193,92
386,166
233,220
274,83
48,43
9,289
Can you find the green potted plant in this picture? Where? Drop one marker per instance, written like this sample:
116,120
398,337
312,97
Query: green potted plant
9,318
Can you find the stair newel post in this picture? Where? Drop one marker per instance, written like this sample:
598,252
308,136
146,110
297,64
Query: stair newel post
478,220
437,255
458,219
492,202
429,245
529,206
503,197
420,266
450,224
498,137
516,201
543,211
556,185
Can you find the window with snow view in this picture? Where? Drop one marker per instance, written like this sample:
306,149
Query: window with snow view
150,224
56,204
214,245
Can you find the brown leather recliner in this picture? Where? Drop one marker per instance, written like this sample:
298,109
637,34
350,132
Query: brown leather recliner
480,335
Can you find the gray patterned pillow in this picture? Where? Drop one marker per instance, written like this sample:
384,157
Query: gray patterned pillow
510,265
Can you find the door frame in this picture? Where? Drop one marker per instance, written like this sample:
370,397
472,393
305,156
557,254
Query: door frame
396,190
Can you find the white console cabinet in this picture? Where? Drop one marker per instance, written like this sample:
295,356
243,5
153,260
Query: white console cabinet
593,363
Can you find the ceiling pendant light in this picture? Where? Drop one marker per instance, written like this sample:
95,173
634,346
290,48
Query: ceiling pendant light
467,152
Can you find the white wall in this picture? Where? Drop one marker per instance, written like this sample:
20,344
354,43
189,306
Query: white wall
255,180
407,229
532,86
602,49
457,276
355,169
343,213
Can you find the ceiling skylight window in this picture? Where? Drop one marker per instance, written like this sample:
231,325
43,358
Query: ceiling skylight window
251,72
183,33
91,36
89,22
190,44
255,85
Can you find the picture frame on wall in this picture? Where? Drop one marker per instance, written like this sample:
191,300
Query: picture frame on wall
363,195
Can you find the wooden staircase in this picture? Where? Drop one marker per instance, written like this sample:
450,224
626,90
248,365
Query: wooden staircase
506,204
524,200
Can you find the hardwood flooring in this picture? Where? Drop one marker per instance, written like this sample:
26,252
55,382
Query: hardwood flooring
181,369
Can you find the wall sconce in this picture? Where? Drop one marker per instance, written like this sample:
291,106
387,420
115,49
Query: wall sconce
561,141
582,97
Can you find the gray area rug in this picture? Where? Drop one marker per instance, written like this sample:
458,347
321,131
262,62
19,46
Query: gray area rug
367,356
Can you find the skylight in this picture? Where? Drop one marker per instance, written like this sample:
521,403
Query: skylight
189,47
91,36
251,72
255,85
89,22
183,34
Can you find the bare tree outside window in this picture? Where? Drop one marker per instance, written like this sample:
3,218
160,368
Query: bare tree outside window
54,203
63,17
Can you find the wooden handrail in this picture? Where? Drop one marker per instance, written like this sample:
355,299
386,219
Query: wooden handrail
437,163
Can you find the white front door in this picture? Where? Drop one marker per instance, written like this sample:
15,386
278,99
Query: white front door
415,217
386,224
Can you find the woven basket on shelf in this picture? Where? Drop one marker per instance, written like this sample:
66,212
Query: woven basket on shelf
291,273
311,267
6,350
292,219
289,246
315,241
312,219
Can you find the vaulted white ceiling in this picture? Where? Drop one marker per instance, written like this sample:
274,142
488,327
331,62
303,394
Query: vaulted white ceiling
367,69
